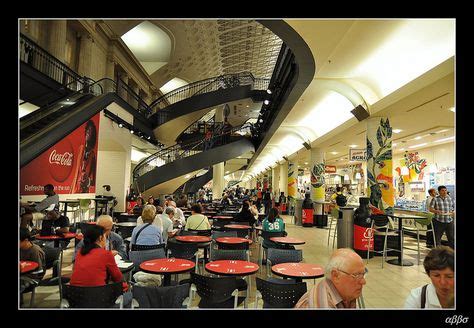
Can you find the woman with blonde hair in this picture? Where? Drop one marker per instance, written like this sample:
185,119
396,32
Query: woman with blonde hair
146,235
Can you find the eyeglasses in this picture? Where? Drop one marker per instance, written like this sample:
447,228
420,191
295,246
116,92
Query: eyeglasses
357,276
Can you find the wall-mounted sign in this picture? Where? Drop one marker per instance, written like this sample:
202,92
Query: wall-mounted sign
417,186
69,165
330,169
357,154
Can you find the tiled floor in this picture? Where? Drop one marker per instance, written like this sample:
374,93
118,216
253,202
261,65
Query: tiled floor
385,288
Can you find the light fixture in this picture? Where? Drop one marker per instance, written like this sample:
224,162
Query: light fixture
346,177
405,171
305,163
358,176
148,137
418,138
419,145
120,125
445,139
394,144
337,179
131,131
269,91
334,152
352,146
433,168
307,145
266,101
260,120
453,109
396,130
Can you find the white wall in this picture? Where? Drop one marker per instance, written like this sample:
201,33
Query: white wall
114,158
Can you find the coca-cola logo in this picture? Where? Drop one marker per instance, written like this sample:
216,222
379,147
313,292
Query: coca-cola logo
61,160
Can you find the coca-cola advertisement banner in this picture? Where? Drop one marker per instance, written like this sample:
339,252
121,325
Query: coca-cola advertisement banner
70,165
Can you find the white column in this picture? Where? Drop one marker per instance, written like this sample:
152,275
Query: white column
218,169
283,181
276,180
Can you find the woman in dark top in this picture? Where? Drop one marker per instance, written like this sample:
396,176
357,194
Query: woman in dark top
245,215
137,209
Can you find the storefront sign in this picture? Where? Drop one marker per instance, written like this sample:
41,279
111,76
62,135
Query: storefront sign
330,169
69,165
357,154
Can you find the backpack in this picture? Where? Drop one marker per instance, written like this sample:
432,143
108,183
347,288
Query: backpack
341,200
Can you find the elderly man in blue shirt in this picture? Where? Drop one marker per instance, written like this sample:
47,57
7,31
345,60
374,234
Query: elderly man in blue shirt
114,241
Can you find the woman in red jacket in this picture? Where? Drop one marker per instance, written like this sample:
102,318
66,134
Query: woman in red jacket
94,265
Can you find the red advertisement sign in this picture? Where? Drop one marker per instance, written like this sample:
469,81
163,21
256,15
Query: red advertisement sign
363,238
70,165
330,169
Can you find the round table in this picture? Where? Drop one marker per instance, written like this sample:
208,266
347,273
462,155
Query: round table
233,268
237,226
28,266
166,267
223,217
287,240
57,238
126,224
298,271
198,240
233,240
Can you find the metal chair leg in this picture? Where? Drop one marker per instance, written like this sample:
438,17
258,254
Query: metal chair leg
385,246
32,300
418,245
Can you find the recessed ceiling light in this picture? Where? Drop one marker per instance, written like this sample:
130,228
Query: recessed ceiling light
396,130
445,139
418,138
419,145
248,106
334,152
394,144
305,163
453,109
352,146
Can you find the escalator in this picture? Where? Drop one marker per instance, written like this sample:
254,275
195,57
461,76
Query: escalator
48,125
196,183
162,172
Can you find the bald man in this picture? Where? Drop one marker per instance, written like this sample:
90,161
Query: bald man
343,283
114,241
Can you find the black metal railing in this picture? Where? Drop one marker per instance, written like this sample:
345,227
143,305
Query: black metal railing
179,151
41,60
98,88
208,85
201,126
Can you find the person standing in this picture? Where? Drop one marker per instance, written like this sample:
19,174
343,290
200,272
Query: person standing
429,198
443,208
439,266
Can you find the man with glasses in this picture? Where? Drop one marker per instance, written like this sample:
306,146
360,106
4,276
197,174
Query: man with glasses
343,283
114,241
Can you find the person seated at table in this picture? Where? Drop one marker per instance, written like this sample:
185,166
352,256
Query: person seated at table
31,252
38,211
146,234
178,214
439,266
182,201
245,215
94,265
342,285
114,241
54,223
138,208
197,221
225,200
274,223
151,200
162,221
201,199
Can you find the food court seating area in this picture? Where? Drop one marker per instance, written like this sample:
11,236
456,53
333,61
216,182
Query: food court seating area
385,288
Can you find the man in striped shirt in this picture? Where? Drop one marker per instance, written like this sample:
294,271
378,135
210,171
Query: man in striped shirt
345,278
443,208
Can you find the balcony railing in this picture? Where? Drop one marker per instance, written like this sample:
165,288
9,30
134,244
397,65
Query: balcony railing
179,151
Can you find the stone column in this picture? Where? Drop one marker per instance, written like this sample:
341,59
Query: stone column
110,67
318,186
218,169
57,39
85,55
379,164
122,83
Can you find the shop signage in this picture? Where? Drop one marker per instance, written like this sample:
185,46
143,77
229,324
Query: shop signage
330,169
357,154
69,165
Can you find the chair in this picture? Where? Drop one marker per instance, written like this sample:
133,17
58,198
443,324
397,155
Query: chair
218,234
420,225
161,297
217,292
333,217
28,285
185,251
201,232
379,223
277,295
84,205
277,256
137,257
92,297
265,236
54,260
220,254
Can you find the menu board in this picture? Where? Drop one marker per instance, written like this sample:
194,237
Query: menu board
445,176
